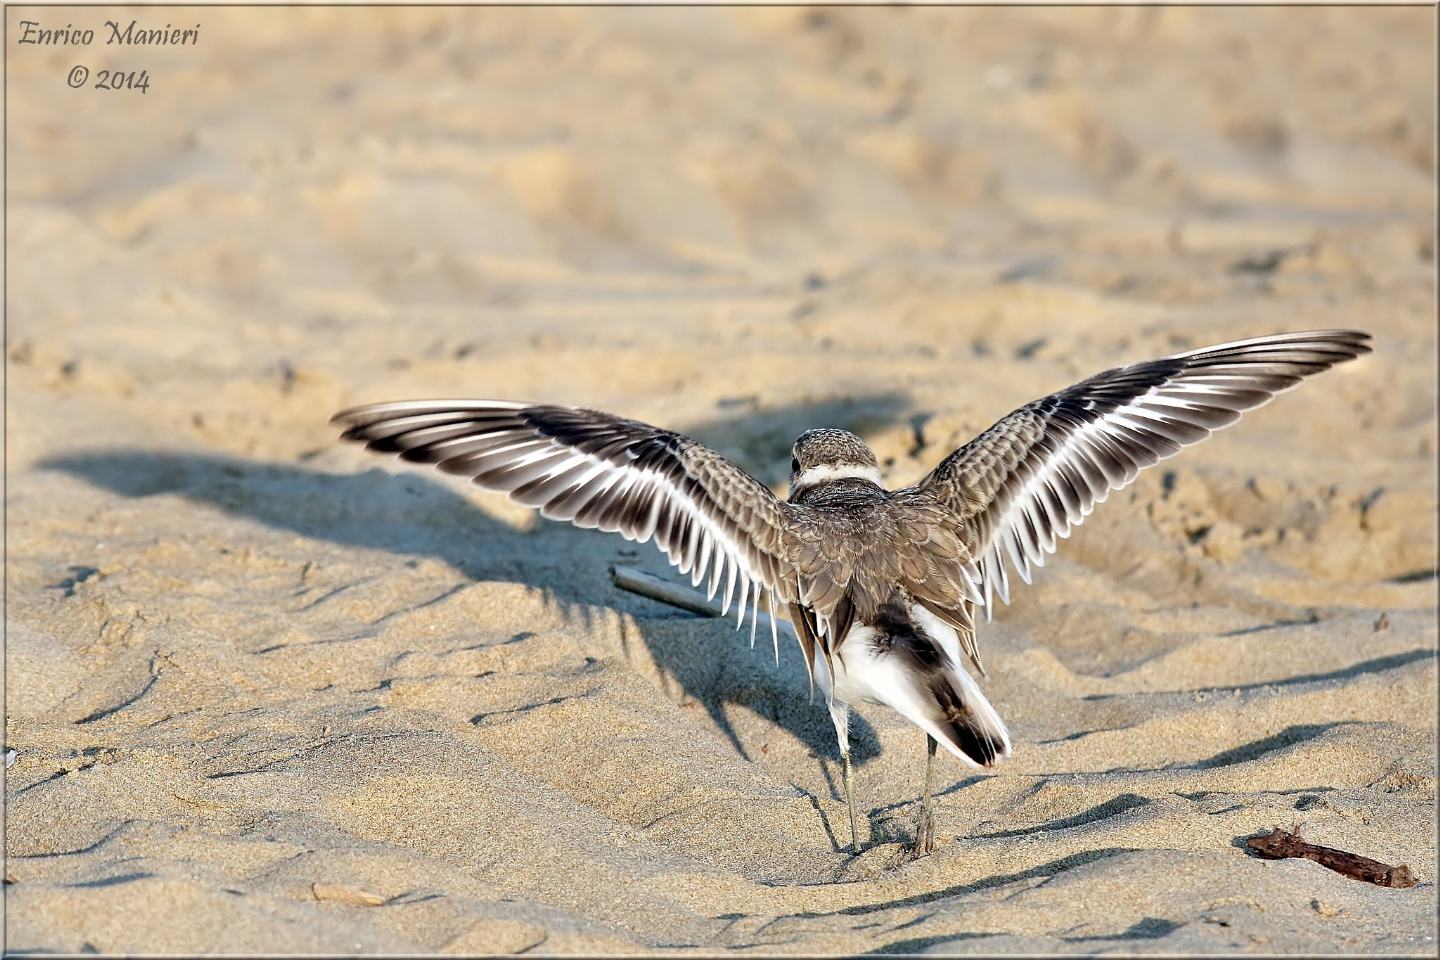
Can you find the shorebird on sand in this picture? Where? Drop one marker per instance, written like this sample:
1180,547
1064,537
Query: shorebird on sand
882,585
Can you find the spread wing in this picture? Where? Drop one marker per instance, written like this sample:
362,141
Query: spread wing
600,471
1039,471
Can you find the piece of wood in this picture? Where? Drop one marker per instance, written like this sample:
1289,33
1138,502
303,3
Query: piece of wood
1281,845
346,893
686,598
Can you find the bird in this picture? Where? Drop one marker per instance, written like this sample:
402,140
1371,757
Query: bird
882,586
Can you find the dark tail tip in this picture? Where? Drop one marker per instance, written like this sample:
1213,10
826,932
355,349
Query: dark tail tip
978,744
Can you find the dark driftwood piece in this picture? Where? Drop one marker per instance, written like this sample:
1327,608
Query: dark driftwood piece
1279,844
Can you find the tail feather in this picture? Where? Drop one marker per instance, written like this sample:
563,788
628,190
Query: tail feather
919,658
974,728
953,710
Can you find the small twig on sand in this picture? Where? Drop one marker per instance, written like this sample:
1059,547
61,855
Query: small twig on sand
678,595
1281,844
347,893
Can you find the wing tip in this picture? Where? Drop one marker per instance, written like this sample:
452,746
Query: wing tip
366,413
1354,342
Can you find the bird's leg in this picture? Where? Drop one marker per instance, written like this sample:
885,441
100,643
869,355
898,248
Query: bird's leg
925,833
840,716
849,779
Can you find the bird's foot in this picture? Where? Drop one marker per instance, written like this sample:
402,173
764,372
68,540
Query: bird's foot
924,836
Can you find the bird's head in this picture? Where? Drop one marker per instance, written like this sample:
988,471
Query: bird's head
828,454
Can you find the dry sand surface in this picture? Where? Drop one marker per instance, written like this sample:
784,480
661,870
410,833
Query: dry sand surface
242,660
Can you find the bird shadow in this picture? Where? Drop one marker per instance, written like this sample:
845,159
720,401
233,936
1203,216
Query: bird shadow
410,514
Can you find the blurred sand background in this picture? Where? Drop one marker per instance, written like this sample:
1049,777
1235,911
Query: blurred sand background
242,660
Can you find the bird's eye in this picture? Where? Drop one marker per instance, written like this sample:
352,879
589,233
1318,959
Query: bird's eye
794,464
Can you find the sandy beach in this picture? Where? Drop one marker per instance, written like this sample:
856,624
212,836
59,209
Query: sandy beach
271,694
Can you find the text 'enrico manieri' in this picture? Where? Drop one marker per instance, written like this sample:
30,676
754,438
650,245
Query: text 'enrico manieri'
113,33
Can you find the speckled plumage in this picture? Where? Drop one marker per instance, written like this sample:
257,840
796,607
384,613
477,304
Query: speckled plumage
881,585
